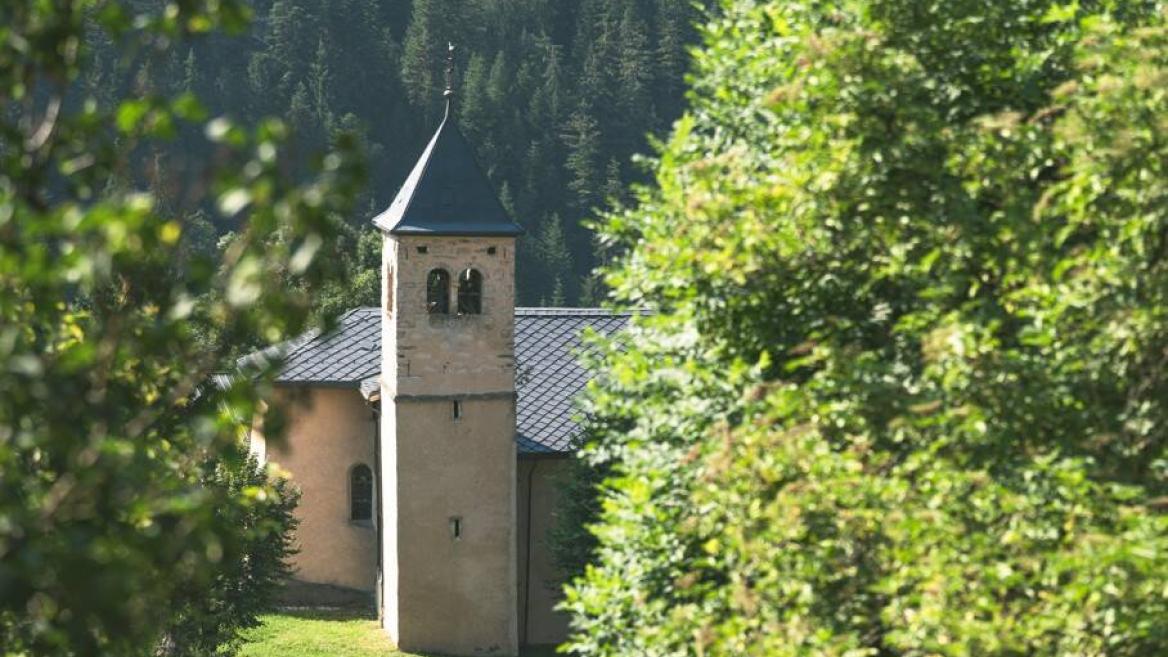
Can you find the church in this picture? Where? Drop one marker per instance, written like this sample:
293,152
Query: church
426,434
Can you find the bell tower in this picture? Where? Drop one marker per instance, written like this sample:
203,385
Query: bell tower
448,458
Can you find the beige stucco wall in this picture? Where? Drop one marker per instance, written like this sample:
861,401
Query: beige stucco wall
441,593
328,432
539,623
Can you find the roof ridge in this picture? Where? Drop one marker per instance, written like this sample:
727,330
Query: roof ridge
553,311
279,350
560,311
316,332
312,335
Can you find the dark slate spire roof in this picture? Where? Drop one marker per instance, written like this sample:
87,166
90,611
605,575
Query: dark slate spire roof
547,379
447,193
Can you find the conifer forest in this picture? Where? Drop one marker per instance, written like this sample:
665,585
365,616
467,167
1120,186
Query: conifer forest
557,98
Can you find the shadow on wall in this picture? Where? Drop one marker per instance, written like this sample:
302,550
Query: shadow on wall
298,595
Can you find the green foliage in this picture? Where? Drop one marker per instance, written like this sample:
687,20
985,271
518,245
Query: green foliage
548,92
113,319
551,256
904,389
212,623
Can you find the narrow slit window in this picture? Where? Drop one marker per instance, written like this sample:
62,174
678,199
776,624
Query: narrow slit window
438,292
361,493
457,410
455,527
470,292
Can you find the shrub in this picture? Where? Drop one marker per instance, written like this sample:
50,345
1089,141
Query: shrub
904,392
210,622
109,326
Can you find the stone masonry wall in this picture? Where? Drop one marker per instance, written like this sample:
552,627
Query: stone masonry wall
453,354
449,582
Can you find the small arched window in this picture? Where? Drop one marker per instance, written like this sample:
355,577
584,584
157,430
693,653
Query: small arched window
438,292
361,493
470,292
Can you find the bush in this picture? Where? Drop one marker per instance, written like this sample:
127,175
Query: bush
110,327
210,622
905,391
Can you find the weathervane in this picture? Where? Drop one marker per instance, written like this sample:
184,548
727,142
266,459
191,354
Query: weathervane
449,93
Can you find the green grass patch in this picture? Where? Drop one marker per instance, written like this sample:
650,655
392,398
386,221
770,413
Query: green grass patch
319,633
328,633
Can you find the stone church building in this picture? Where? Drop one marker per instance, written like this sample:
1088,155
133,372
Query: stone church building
426,434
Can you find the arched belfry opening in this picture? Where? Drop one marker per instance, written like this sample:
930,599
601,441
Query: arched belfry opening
470,292
438,292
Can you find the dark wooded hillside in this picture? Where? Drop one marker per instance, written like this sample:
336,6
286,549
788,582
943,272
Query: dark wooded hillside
556,96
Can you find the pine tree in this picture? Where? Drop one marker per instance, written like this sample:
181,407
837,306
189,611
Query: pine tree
507,200
673,35
582,138
319,88
614,188
474,110
549,93
547,101
590,291
191,73
499,83
302,117
554,260
634,74
417,65
558,298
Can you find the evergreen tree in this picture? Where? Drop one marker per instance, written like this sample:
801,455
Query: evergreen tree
547,102
553,260
191,73
318,87
473,107
549,93
302,116
674,33
614,188
634,78
582,138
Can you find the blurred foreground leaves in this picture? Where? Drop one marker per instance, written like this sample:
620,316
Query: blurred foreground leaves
110,329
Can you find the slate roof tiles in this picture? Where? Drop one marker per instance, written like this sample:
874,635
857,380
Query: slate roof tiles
548,372
447,193
341,358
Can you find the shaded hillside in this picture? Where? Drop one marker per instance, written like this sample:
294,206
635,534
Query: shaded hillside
556,96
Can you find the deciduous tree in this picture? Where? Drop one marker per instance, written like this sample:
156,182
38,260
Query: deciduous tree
108,526
904,390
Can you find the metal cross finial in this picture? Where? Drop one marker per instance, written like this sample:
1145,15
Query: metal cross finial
449,93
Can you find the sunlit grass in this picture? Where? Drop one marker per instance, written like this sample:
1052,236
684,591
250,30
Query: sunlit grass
327,633
319,633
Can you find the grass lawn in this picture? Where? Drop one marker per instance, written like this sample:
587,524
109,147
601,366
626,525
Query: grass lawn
326,633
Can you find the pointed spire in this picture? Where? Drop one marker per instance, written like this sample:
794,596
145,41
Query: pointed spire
449,93
447,192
